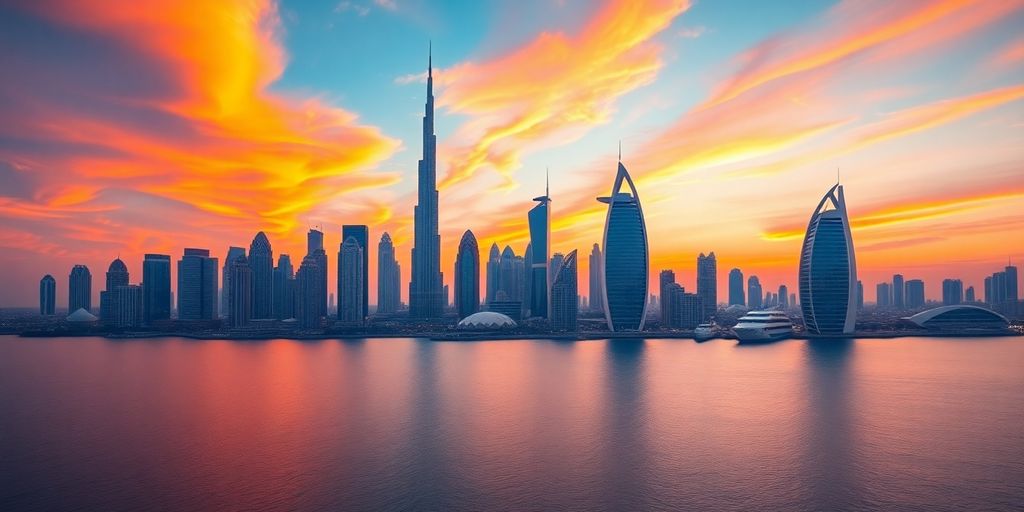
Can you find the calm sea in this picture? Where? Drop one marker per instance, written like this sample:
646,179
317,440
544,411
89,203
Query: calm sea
404,424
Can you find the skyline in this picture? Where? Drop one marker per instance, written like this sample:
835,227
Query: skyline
85,188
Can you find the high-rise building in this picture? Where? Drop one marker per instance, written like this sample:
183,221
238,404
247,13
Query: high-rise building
117,276
284,288
565,295
225,279
48,295
685,310
467,276
828,268
362,235
707,284
557,259
899,293
156,288
79,289
315,248
493,273
736,288
883,295
596,304
626,257
539,219
425,288
783,296
197,285
914,291
261,262
952,291
240,300
1012,293
755,294
522,280
350,282
988,290
665,279
969,294
860,295
128,305
308,286
389,277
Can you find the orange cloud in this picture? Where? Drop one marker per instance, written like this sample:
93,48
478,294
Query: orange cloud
550,90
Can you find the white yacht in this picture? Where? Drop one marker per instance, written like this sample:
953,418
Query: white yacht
704,332
758,326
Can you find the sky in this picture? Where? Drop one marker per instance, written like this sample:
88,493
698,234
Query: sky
146,127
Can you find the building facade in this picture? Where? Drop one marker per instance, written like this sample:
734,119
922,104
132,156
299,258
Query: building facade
48,295
225,279
625,262
736,297
240,301
596,284
156,288
565,296
539,219
467,276
914,294
350,281
707,284
362,235
79,289
828,268
389,277
284,288
261,262
308,287
755,295
197,285
426,300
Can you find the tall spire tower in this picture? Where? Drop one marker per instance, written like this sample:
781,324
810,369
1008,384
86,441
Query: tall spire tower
425,290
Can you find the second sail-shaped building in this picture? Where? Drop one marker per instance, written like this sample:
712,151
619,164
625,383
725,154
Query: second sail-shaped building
828,269
625,258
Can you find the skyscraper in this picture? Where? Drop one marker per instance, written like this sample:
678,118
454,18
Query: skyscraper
388,277
860,295
284,287
425,293
127,301
969,294
240,300
952,291
626,257
707,284
156,288
1012,294
899,293
225,279
539,219
493,273
685,309
79,289
315,248
261,262
736,288
755,294
350,282
914,294
117,275
467,276
596,284
362,235
557,260
197,285
523,280
883,295
308,286
828,268
783,296
565,295
48,295
665,279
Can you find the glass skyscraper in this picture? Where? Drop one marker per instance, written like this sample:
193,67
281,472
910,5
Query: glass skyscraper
426,296
467,276
362,235
626,258
156,287
540,240
828,269
565,295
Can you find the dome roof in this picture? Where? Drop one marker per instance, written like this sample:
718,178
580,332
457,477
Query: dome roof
487,320
81,315
960,315
117,266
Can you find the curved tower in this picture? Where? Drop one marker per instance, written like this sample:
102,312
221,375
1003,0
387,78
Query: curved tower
828,269
625,258
261,262
539,219
467,276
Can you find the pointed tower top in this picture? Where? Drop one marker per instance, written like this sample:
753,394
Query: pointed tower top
547,181
620,150
430,58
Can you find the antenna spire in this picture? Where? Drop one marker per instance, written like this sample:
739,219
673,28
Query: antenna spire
430,58
837,175
620,151
547,181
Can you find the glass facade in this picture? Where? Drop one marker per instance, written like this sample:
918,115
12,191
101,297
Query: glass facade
828,273
625,258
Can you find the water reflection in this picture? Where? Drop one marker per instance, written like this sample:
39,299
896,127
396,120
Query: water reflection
625,429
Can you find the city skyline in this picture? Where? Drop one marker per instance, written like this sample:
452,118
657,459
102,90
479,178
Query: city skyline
94,193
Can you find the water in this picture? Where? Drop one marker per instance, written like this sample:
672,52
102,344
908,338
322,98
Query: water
907,424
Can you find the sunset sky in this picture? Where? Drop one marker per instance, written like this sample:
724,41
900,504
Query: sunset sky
129,127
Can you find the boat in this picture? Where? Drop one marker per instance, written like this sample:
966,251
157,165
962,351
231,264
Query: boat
704,332
763,326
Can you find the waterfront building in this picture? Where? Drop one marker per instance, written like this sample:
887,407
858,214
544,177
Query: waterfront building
969,294
225,279
1012,293
117,276
524,278
595,272
754,293
350,282
539,220
557,260
898,292
914,290
47,295
665,279
308,286
315,249
361,233
467,276
736,297
952,292
960,317
565,295
240,301
389,277
425,288
626,257
79,289
707,284
284,288
156,288
828,268
127,305
261,262
684,310
197,285
486,321
493,273
783,296
883,295
860,295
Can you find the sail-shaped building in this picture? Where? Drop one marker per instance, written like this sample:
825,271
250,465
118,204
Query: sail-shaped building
828,269
625,258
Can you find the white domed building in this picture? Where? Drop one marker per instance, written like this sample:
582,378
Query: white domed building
486,321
